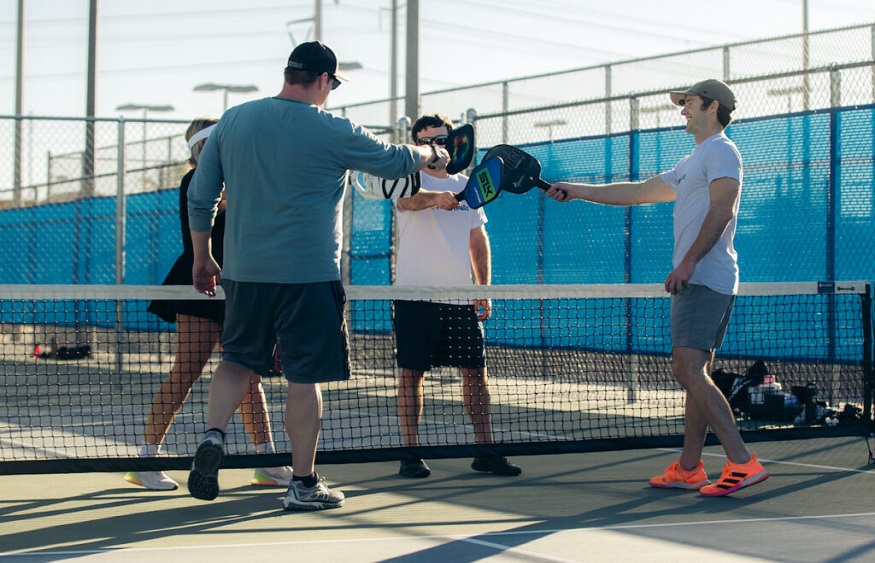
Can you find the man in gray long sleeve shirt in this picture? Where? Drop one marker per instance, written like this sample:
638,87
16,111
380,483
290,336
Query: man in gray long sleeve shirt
283,163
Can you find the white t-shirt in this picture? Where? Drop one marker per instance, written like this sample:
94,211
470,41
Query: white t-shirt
433,244
716,157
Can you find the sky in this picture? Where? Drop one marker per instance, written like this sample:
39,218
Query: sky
156,52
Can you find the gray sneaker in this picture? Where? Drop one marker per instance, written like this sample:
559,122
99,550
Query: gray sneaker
316,497
203,480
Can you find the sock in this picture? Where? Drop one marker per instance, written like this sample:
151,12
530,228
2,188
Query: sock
214,435
309,481
150,450
266,448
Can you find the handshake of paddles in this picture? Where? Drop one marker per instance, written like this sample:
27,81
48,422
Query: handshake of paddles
503,168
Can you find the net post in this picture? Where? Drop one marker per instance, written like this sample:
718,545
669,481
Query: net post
868,370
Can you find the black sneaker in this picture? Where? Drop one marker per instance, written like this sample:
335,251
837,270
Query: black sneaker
203,481
496,465
415,468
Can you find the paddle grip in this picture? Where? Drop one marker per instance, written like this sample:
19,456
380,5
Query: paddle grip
545,185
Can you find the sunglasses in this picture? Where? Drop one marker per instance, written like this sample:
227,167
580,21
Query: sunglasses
334,81
439,140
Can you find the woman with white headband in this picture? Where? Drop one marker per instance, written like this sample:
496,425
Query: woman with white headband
198,331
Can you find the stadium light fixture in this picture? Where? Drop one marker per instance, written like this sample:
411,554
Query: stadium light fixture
236,88
780,92
550,125
145,108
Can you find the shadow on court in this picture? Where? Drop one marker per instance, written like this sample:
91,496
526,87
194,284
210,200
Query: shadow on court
816,506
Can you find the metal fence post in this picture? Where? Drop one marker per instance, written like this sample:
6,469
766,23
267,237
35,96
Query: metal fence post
632,364
835,88
48,179
120,205
726,64
872,34
832,205
608,94
120,226
505,107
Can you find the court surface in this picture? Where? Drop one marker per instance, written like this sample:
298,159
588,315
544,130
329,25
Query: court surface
816,506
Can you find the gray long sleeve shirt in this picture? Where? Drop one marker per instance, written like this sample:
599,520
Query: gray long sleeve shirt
283,165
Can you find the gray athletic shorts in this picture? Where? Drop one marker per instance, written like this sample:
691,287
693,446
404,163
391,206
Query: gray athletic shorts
699,317
307,318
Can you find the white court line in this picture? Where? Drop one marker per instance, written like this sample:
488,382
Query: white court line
469,538
779,462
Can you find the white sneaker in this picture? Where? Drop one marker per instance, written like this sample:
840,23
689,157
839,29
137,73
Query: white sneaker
272,477
154,480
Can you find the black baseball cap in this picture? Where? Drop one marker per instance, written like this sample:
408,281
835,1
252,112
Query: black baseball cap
316,57
711,88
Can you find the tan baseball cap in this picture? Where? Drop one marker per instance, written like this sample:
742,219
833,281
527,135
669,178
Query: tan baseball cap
711,88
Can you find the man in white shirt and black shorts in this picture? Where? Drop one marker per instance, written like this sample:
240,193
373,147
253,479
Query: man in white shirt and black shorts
442,242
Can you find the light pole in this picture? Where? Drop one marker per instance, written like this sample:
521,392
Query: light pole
317,32
779,92
550,125
341,65
317,25
236,88
146,109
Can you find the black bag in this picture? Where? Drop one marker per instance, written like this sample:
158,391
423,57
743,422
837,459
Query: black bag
735,386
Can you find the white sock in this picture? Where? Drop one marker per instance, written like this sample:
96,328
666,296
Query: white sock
266,448
150,450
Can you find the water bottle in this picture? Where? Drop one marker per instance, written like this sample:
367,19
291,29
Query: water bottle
771,386
757,394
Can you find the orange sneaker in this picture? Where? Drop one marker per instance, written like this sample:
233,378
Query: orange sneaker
676,477
737,476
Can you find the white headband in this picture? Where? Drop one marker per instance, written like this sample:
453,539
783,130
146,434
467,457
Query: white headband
201,135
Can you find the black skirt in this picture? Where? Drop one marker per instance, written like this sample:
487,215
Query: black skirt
180,274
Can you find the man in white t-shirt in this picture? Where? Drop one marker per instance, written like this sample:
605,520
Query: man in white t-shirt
706,188
442,242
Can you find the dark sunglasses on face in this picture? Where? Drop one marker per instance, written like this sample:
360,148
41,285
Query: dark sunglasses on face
334,81
440,140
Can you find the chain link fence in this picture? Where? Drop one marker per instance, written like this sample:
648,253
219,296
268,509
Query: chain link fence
60,215
54,160
770,76
804,126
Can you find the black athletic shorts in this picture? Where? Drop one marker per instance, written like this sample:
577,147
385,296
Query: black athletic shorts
438,334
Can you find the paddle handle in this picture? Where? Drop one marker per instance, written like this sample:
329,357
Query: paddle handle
545,185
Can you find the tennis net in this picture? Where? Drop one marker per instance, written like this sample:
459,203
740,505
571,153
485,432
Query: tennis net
571,368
